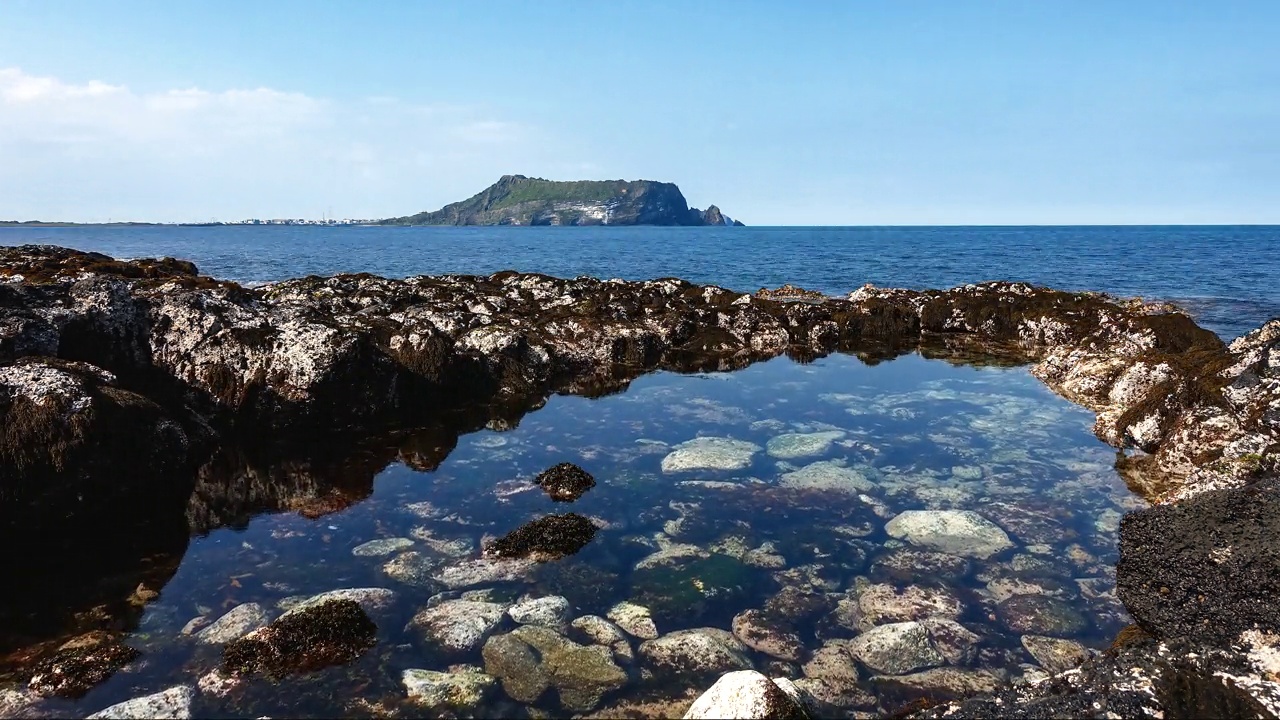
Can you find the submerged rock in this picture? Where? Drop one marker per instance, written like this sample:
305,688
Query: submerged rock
370,599
832,661
899,648
880,603
599,631
458,626
909,565
771,635
172,703
827,476
957,532
940,683
748,694
552,611
483,571
1055,654
546,538
797,445
414,569
1041,615
333,632
530,659
634,619
79,665
382,546
565,482
240,621
710,453
693,655
444,691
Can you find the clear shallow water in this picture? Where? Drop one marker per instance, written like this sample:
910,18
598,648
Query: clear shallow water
907,434
1226,275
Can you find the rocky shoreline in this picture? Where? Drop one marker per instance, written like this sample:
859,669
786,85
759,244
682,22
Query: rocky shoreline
123,380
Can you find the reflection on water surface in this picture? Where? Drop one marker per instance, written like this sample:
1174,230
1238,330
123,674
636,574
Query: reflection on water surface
912,527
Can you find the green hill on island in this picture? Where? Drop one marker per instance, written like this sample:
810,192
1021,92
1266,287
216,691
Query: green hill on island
520,200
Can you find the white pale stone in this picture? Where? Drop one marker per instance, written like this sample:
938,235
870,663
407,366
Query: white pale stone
958,532
172,703
710,453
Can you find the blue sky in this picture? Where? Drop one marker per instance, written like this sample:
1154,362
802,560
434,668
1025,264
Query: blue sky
896,112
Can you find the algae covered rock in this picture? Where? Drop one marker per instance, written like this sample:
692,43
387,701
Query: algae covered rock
531,659
333,632
1041,615
79,665
770,634
796,445
1055,654
691,655
635,619
546,538
552,611
462,691
690,590
565,482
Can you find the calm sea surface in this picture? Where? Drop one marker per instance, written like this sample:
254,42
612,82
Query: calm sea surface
1228,276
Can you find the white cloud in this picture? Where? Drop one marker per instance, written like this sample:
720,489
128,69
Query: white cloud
96,150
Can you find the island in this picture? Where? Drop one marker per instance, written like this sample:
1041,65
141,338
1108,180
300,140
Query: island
520,200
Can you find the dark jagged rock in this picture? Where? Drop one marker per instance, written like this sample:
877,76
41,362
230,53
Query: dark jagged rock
80,665
333,632
520,200
565,482
1207,568
546,538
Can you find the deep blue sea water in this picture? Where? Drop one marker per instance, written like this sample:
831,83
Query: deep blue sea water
1227,276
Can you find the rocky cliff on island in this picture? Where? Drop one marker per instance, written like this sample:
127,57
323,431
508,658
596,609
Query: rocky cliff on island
141,401
520,200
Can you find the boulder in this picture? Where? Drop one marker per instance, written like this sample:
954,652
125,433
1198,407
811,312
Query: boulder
457,626
748,694
956,532
530,659
768,634
546,538
333,632
552,611
796,445
565,482
462,691
238,622
634,619
710,453
172,703
692,655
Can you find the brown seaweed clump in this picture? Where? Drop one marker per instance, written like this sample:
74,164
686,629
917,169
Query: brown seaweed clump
334,632
78,667
565,482
546,538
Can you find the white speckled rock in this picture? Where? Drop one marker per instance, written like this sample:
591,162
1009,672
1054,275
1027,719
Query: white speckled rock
552,611
483,571
634,619
172,703
796,445
242,620
882,603
370,599
747,694
413,568
827,476
462,691
710,453
602,632
382,546
459,626
696,652
957,532
896,648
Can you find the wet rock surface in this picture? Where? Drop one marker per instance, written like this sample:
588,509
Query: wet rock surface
330,633
565,482
80,665
546,538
